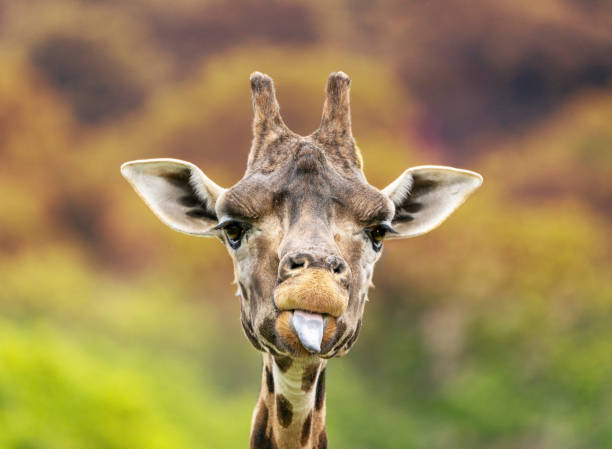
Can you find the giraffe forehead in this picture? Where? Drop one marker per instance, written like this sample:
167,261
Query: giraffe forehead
306,185
274,148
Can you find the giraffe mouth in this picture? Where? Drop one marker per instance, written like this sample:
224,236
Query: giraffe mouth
309,329
314,290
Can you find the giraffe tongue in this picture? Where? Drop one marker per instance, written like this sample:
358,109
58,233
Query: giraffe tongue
309,329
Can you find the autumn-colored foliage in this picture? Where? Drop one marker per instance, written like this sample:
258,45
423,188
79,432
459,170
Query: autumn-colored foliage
491,332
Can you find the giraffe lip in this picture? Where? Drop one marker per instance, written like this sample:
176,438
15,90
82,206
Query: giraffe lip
309,329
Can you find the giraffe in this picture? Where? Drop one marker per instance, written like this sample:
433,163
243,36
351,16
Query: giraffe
304,229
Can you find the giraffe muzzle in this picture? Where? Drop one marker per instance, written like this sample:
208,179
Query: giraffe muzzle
314,290
309,301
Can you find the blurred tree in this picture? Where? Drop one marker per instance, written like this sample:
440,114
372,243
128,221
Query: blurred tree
493,332
95,83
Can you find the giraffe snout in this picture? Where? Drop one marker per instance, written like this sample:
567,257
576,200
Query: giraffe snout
296,264
313,290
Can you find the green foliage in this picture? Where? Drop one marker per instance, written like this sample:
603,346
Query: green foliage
84,364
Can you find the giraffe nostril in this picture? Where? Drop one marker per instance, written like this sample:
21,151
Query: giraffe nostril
295,264
338,266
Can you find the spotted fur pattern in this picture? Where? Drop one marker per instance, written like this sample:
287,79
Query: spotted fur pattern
290,411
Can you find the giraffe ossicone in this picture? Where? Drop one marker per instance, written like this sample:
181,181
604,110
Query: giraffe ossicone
304,229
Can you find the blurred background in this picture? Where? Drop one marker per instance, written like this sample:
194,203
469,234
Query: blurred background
494,331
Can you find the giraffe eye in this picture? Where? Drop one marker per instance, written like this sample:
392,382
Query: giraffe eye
377,234
234,231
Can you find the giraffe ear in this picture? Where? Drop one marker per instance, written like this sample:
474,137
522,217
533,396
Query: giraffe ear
425,196
177,192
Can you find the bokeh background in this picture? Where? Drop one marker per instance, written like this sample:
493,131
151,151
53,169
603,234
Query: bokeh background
494,331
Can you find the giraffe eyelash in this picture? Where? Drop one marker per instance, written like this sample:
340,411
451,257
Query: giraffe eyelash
234,231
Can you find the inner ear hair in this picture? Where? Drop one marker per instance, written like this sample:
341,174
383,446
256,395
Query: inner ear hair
177,192
195,199
425,196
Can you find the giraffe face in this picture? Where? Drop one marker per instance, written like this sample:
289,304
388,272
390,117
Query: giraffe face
303,226
303,237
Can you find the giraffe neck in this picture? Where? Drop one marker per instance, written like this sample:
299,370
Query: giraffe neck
290,411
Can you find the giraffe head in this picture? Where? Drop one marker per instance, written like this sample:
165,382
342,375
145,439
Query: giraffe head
303,226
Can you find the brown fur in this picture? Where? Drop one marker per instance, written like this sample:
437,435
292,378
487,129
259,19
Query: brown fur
287,336
335,129
322,440
283,363
328,343
269,380
309,377
270,132
260,437
328,333
320,394
306,427
284,410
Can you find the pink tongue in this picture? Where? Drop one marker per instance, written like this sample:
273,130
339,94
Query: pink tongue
309,329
